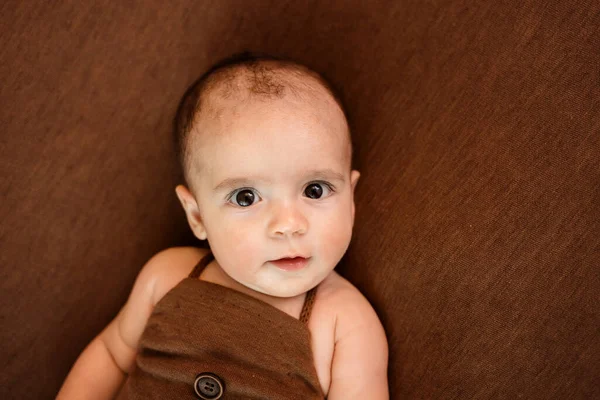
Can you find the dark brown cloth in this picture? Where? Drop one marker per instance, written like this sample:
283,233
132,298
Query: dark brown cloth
476,132
256,350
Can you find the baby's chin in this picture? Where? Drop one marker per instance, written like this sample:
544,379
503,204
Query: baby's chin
285,288
282,292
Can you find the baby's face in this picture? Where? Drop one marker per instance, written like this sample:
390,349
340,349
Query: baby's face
272,179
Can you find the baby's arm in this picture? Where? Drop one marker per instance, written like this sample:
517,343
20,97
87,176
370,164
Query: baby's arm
360,358
101,369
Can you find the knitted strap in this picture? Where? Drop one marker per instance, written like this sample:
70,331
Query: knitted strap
308,305
201,265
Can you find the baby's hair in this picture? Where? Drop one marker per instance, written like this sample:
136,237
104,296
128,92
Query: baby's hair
262,79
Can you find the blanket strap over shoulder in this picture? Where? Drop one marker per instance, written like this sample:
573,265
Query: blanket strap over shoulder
201,265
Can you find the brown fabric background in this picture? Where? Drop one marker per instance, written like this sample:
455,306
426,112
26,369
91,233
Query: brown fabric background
477,131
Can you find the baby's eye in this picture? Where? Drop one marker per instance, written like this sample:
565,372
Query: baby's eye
244,197
315,189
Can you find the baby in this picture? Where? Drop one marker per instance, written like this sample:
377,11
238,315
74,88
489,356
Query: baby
266,153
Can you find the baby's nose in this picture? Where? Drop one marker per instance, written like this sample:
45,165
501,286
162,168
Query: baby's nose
288,220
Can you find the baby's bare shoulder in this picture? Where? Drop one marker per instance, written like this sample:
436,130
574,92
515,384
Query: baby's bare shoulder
159,275
360,356
169,267
339,301
349,305
342,318
336,289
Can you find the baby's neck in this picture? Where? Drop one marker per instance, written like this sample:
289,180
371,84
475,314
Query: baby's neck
214,273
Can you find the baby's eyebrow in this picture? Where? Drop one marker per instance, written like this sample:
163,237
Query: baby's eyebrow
328,174
231,183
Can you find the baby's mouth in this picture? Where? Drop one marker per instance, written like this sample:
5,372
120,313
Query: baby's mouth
290,264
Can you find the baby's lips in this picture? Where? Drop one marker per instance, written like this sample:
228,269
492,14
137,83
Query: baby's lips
290,264
291,256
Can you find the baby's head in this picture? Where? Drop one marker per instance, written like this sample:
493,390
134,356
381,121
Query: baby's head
266,153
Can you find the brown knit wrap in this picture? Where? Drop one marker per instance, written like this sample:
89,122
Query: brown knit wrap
258,351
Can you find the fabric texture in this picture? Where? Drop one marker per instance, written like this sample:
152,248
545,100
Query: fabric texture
255,350
475,128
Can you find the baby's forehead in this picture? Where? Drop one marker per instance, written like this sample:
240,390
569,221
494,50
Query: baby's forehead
276,126
232,120
227,95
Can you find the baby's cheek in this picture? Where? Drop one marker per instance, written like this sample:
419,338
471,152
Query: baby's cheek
336,234
240,245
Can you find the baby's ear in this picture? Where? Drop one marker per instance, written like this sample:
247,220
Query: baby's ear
190,206
354,175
